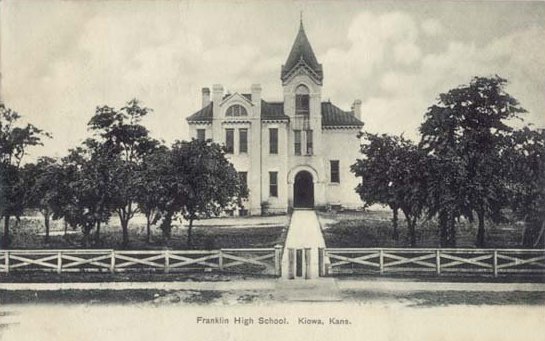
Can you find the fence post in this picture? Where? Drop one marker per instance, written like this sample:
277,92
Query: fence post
278,260
112,261
438,262
381,261
59,262
307,263
291,263
220,260
495,264
321,265
167,261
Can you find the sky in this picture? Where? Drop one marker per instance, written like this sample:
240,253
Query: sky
62,59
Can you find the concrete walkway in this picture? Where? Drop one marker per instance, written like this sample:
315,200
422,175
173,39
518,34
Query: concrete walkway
304,232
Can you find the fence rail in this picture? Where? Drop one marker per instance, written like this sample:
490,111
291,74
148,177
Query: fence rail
336,261
258,260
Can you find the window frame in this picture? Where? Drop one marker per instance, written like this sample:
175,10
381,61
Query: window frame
335,171
309,145
273,185
236,110
297,142
203,131
229,140
273,143
242,150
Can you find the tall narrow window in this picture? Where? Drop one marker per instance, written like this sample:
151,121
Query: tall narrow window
302,102
229,141
243,176
273,184
309,142
335,173
297,141
243,140
201,134
273,140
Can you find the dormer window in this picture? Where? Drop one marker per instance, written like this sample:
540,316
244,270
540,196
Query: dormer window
302,103
236,110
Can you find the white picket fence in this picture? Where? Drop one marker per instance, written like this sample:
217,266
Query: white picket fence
336,261
256,260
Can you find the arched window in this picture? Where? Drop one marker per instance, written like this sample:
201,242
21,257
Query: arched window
236,110
302,104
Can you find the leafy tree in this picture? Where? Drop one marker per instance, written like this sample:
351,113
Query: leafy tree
153,184
39,184
206,183
525,162
391,172
466,133
119,132
14,143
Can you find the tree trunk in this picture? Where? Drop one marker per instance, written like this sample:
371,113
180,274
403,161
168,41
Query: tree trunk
6,239
411,225
189,231
480,230
46,223
148,228
443,228
451,228
65,229
125,227
395,232
97,233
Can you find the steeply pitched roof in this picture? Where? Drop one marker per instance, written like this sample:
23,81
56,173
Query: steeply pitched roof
302,53
332,117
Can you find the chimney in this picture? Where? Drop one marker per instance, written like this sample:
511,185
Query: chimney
356,108
217,93
205,97
256,98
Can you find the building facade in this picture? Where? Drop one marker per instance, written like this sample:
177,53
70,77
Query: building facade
292,154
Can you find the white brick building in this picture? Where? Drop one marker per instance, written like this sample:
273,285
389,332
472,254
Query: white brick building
295,153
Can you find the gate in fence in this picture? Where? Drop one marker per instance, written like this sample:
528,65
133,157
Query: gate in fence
265,261
338,261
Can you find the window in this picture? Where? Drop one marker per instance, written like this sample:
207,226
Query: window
243,176
335,175
273,140
297,138
273,184
243,140
201,134
309,142
229,141
302,102
236,110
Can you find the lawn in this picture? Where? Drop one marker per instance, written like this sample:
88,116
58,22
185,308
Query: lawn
213,233
373,228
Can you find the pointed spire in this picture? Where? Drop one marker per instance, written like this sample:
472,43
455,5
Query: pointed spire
301,52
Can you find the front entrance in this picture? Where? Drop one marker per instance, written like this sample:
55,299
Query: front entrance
303,190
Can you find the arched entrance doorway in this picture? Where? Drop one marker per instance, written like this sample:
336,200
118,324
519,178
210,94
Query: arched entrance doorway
303,190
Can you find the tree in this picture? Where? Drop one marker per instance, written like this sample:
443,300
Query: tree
119,132
466,133
391,174
39,186
152,186
206,182
14,143
525,162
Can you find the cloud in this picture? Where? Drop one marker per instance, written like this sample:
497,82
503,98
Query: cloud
432,27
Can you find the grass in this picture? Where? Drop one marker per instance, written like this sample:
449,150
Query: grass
374,229
207,234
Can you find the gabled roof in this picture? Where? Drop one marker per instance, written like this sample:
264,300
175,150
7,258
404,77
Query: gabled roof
333,117
301,54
